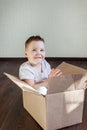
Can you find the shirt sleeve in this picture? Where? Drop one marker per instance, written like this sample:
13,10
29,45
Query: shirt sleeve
48,67
25,73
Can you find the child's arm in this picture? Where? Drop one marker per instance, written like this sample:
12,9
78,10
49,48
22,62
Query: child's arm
37,85
53,73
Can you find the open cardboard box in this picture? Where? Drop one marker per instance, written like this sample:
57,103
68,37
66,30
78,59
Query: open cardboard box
63,104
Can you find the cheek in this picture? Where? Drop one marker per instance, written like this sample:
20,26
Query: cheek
43,54
32,54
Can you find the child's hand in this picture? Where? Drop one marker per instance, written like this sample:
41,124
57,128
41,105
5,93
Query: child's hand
55,72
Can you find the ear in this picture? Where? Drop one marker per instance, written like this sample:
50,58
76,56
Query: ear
25,53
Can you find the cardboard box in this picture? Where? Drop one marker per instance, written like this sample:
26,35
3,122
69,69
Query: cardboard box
63,104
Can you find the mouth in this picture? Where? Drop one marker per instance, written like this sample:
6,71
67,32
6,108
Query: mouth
39,57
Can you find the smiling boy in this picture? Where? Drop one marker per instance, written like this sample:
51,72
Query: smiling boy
36,70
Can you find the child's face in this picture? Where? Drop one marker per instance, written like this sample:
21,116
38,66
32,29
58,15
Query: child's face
35,52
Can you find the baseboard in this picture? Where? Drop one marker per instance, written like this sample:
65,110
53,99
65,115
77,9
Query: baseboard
13,59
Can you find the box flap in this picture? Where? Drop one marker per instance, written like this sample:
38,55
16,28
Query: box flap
72,78
67,68
80,81
24,86
67,83
60,84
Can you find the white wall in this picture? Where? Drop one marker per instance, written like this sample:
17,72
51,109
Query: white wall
62,23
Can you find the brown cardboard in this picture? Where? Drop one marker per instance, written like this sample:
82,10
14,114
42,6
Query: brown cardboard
63,104
64,109
24,86
70,69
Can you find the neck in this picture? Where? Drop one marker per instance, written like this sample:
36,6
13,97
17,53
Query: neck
38,67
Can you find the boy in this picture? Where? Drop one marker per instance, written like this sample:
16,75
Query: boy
36,70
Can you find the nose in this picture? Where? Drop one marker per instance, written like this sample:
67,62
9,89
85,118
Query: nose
38,52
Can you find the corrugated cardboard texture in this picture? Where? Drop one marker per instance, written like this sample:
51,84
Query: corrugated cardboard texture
70,69
36,106
67,83
60,84
63,104
72,78
24,86
80,81
64,109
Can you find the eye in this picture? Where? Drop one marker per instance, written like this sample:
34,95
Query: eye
42,50
34,50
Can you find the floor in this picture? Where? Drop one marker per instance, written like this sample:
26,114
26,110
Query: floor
13,116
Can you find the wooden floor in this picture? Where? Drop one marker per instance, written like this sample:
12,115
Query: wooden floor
12,114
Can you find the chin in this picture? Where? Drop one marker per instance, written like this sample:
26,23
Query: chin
39,62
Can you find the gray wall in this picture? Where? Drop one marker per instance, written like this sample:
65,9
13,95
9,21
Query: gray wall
62,23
